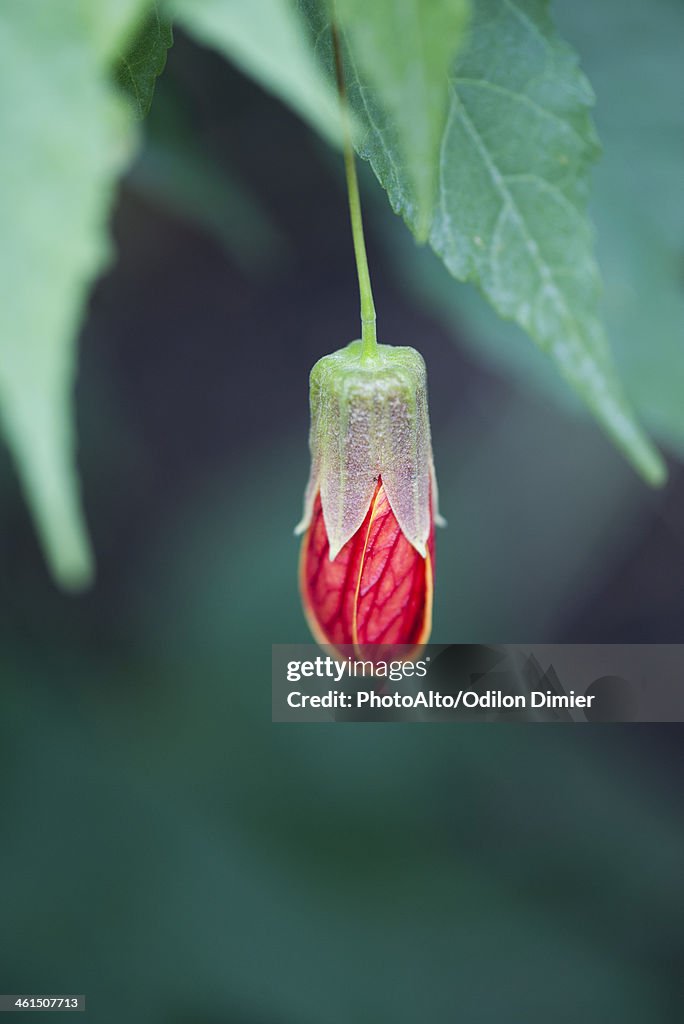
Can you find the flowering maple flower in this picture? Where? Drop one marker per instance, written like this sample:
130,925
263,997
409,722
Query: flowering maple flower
367,558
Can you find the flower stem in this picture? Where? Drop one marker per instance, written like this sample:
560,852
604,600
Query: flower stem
368,332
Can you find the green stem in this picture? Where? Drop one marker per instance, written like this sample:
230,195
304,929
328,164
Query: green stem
368,332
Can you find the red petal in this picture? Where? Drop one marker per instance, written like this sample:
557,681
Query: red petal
377,591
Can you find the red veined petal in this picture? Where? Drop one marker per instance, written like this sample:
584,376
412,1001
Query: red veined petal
378,590
394,593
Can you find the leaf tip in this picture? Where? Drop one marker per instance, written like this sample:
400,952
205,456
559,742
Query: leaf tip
76,573
640,450
655,470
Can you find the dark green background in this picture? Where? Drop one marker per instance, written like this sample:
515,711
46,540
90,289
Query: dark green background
163,847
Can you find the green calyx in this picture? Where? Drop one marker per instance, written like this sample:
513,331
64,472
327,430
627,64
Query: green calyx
369,418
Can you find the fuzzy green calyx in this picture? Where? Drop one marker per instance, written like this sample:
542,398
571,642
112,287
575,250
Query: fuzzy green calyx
369,418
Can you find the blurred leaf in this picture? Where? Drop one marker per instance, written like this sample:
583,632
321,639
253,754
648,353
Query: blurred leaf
68,138
137,71
510,215
268,40
405,49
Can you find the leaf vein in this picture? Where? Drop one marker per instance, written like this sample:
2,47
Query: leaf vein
542,266
523,98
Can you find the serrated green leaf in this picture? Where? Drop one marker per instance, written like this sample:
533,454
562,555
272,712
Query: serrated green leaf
136,72
637,204
511,211
637,197
405,49
67,137
511,216
268,39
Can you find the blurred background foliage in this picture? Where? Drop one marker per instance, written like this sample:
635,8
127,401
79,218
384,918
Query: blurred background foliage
164,848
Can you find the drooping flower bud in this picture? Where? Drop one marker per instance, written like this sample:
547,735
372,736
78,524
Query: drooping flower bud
367,563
